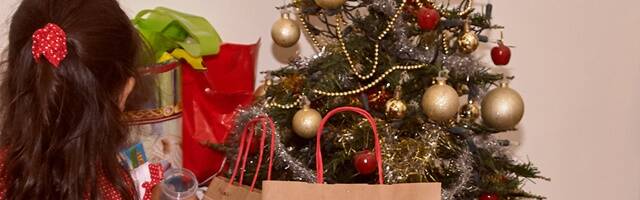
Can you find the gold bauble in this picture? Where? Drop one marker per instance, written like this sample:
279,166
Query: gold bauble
261,91
330,4
502,108
470,111
306,122
285,32
440,101
468,42
396,108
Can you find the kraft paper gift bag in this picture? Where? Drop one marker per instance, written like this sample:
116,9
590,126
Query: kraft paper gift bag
219,189
224,189
279,190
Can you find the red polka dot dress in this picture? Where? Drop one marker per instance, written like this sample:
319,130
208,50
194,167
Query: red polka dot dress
106,188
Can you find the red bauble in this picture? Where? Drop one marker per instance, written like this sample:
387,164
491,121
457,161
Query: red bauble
489,196
365,162
428,18
501,54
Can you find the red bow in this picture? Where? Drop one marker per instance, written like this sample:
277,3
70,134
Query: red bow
50,41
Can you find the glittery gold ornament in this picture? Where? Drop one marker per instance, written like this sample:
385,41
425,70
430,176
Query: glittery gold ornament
396,108
344,138
469,41
440,101
330,4
285,32
306,121
293,83
502,108
462,89
261,91
416,159
470,111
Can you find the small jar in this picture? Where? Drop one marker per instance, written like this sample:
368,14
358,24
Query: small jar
179,184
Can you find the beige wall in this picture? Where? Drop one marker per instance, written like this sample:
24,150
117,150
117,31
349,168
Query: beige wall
577,66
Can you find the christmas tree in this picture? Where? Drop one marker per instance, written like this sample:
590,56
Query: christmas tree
410,64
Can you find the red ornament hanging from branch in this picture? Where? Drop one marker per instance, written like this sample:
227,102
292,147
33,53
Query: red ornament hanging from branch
501,54
365,162
489,196
428,18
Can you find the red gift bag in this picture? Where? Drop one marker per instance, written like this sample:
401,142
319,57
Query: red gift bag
210,98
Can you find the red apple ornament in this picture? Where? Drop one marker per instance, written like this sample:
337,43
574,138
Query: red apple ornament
501,54
489,196
365,162
428,18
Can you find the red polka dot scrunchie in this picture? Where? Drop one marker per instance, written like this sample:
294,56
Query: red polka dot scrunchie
50,41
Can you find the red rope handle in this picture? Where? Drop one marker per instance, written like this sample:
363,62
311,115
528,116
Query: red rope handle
246,153
272,127
245,145
273,146
264,135
240,151
372,121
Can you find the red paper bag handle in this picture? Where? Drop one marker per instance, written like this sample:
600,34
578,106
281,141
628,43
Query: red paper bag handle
243,152
319,165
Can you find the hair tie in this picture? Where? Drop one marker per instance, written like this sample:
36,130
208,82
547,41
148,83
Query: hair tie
50,41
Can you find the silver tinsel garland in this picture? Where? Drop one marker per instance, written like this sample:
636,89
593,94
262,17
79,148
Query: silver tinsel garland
426,140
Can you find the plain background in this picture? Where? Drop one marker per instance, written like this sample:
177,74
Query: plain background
577,66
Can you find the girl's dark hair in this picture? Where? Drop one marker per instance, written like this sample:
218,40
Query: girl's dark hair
62,127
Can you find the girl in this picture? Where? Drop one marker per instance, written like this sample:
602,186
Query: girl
70,67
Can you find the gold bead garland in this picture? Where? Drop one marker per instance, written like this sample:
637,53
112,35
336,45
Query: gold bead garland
345,51
375,82
439,8
392,21
468,10
348,56
445,44
273,103
305,25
